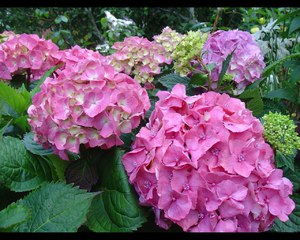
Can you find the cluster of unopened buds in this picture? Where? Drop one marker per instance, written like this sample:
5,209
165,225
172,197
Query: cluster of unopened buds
279,130
87,103
26,54
138,57
202,162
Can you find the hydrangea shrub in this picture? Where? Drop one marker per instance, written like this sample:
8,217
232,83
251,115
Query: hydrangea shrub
202,163
87,103
27,53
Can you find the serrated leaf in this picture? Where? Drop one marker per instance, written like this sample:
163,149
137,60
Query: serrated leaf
56,207
283,93
293,176
295,25
284,160
13,98
40,82
13,215
34,147
117,208
82,173
171,79
225,65
293,224
19,170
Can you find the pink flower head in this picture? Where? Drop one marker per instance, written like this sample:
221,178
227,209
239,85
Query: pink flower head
23,53
203,164
88,103
246,64
139,57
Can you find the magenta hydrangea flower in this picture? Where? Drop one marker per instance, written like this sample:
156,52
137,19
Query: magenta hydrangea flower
27,53
202,162
247,63
88,103
139,57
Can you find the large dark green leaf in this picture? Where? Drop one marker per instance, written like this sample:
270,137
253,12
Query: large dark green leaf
82,173
34,147
293,224
295,76
56,207
116,209
285,160
19,170
171,79
13,216
295,25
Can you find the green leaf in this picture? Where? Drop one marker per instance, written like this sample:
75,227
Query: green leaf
283,93
58,166
287,16
295,76
34,147
2,130
198,79
13,98
22,123
117,208
82,173
255,104
295,25
13,215
39,82
272,66
171,79
56,207
293,224
19,170
225,66
103,23
293,176
285,160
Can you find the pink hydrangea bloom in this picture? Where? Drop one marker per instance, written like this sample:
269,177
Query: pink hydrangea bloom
88,103
246,64
139,57
202,162
23,53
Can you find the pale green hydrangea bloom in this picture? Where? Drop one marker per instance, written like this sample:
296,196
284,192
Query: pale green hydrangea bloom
279,131
186,51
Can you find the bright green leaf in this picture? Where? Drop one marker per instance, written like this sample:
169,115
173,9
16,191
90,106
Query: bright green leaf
22,123
59,166
19,170
56,207
13,215
13,98
116,209
198,79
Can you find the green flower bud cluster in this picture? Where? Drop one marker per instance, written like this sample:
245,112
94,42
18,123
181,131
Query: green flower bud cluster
186,51
279,131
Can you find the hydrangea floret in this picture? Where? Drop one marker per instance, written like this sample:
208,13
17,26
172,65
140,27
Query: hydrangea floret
169,39
139,57
186,51
246,64
279,131
87,103
201,162
27,54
